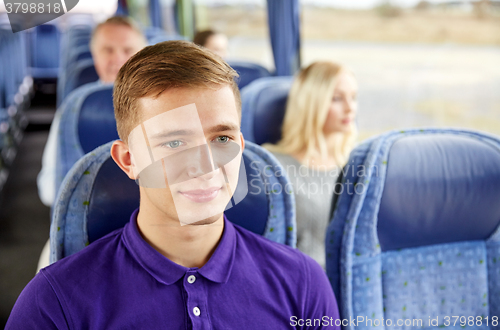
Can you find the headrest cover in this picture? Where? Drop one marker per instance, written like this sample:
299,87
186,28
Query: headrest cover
269,113
96,123
439,188
113,199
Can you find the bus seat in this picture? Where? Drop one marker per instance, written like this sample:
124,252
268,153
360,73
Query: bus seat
415,232
248,72
96,121
91,124
45,51
68,61
96,198
15,88
77,54
82,73
76,39
263,109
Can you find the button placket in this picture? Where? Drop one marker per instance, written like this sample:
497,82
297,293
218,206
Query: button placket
196,300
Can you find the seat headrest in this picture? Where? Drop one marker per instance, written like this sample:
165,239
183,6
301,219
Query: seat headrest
46,28
439,188
248,72
87,75
113,199
263,109
96,122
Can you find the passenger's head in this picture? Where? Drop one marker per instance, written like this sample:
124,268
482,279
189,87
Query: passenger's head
113,42
216,42
321,106
177,108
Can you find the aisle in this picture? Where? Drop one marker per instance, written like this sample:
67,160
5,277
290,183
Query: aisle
24,220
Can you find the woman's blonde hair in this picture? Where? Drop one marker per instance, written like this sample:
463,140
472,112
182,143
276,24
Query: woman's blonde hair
306,112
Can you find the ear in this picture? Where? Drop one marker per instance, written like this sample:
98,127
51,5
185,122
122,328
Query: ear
120,153
242,142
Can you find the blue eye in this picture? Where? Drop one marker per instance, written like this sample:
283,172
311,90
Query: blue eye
173,144
222,139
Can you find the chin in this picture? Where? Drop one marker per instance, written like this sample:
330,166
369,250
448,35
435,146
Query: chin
208,221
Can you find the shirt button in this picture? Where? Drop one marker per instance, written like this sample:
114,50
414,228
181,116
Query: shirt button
191,279
196,311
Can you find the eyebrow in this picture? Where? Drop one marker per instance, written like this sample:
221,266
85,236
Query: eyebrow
222,128
182,132
163,135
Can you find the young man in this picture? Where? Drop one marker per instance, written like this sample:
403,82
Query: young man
178,263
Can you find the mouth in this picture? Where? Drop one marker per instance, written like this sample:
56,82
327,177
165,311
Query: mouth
201,195
346,121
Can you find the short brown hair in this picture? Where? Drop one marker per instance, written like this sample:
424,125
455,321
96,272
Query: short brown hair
118,20
201,37
165,65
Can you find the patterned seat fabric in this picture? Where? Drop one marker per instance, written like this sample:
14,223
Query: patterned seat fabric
415,232
96,198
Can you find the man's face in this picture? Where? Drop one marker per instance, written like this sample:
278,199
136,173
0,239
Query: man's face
217,43
112,46
186,152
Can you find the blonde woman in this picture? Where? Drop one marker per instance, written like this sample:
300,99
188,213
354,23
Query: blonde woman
318,134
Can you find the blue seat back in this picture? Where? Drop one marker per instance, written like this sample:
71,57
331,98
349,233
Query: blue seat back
10,61
82,73
263,109
96,121
85,124
415,232
45,46
248,72
96,198
75,55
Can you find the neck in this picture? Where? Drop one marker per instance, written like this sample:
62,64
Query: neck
316,161
332,140
189,245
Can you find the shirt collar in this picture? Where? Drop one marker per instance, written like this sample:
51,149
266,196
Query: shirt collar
217,269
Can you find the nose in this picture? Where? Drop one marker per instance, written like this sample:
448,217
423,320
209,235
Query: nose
350,106
200,164
118,58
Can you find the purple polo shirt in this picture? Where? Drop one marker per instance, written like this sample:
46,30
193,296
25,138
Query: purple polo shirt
121,282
